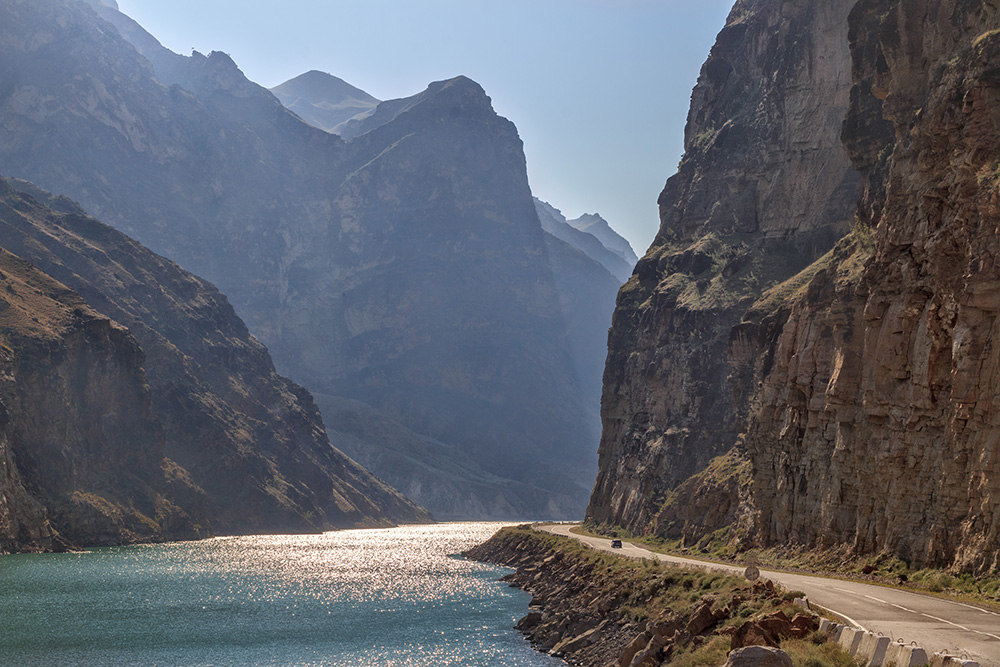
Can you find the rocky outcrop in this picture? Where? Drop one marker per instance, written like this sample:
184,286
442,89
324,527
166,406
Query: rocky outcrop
764,189
596,610
877,429
178,426
405,268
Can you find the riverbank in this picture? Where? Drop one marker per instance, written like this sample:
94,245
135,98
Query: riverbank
593,609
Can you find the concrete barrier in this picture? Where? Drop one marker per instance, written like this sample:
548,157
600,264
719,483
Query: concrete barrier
905,655
871,649
850,640
945,660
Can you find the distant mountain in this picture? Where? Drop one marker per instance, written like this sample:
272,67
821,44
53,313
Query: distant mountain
405,268
323,100
555,223
136,406
597,226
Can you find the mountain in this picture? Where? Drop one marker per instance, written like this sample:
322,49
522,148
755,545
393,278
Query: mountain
323,100
598,227
555,223
763,190
405,268
852,394
171,421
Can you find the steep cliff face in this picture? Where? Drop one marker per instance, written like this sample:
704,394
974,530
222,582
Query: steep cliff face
405,268
764,189
877,427
82,453
229,445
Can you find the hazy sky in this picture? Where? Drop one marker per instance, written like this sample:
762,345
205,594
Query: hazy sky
598,89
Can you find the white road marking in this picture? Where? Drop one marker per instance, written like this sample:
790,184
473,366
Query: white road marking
978,632
843,616
962,604
947,621
905,609
876,599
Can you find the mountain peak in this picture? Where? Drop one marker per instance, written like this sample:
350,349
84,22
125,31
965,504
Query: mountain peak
461,94
323,100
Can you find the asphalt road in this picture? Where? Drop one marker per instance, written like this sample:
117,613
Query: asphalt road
933,623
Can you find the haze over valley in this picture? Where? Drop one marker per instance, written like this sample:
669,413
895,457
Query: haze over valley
313,322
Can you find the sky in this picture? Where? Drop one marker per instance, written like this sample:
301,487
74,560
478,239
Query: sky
598,89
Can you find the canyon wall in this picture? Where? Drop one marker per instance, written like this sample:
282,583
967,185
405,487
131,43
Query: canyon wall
764,189
876,428
854,395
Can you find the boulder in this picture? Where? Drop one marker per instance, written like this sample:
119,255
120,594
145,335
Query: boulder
701,619
758,656
803,625
777,625
638,644
530,620
752,634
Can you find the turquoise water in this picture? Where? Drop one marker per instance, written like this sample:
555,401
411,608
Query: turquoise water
355,598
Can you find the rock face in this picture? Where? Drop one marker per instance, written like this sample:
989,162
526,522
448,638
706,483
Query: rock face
175,427
877,428
324,100
862,382
406,268
764,189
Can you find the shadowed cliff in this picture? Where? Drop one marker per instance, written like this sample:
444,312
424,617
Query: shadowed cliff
175,427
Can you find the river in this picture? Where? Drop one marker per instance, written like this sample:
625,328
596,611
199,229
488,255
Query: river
395,597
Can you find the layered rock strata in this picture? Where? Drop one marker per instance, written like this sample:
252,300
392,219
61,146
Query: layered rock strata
175,427
764,189
876,428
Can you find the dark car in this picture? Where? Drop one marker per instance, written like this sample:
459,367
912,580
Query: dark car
616,544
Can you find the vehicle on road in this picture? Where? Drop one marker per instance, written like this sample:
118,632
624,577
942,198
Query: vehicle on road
616,544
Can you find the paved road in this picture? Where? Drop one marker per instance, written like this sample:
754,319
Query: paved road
933,623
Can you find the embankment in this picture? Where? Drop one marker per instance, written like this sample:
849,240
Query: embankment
595,610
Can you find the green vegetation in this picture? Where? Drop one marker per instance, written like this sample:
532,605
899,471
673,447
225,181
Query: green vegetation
817,652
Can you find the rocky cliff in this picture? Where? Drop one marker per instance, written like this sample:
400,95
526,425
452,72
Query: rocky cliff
857,390
175,427
876,426
764,189
405,268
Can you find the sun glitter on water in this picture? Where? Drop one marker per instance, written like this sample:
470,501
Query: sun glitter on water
396,597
